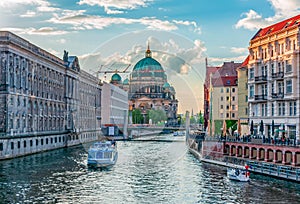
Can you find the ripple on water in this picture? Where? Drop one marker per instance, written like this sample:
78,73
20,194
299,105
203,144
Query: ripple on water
146,172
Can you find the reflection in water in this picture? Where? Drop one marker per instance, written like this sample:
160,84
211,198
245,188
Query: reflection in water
146,172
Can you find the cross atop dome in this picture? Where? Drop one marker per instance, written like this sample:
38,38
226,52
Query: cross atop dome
148,52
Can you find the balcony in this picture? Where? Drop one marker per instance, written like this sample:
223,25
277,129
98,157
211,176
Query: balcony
261,79
277,95
260,97
278,75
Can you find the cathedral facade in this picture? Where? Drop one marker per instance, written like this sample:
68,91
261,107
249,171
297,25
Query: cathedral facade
148,89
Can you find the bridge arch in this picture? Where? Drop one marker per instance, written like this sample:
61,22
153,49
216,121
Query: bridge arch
261,154
269,155
246,152
288,157
278,156
297,159
253,153
239,151
226,149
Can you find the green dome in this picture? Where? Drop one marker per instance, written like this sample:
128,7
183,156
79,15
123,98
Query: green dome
166,85
126,82
148,64
116,78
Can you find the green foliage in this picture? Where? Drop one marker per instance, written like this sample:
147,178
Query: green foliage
137,117
157,116
192,120
201,118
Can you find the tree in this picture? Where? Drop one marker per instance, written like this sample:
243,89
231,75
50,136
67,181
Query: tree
137,117
192,120
201,119
157,116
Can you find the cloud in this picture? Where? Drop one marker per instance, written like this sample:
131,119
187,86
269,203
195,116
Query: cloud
33,31
28,14
13,3
283,9
88,22
215,61
239,50
174,58
116,6
189,23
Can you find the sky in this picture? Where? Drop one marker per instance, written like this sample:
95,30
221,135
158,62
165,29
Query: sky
114,34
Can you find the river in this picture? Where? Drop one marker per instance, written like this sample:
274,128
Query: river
146,172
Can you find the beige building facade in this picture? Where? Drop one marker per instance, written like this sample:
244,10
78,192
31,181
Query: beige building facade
273,79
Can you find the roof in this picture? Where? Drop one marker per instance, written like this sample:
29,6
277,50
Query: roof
286,24
245,63
209,70
224,81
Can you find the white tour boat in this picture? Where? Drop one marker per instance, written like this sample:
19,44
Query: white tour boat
102,154
238,174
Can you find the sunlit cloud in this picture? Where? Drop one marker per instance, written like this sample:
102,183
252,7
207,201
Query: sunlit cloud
33,31
88,22
215,61
239,50
116,6
28,14
174,58
283,9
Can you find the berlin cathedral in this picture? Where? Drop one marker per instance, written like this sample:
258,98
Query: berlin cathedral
148,89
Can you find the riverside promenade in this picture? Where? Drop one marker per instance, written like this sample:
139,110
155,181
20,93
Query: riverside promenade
277,160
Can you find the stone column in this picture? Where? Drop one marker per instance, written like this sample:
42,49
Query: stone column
283,157
266,155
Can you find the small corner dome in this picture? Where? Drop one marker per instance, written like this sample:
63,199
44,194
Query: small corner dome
126,81
116,78
166,85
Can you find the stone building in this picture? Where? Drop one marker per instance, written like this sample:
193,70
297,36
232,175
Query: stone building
149,89
114,109
243,109
224,98
274,79
45,102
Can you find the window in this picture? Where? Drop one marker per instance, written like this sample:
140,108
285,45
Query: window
246,98
227,115
227,107
36,142
221,106
264,109
12,145
289,88
251,73
233,90
233,115
233,98
1,146
227,98
19,144
279,109
222,90
251,91
272,109
288,67
221,98
31,143
233,107
25,144
292,108
246,111
222,115
227,90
